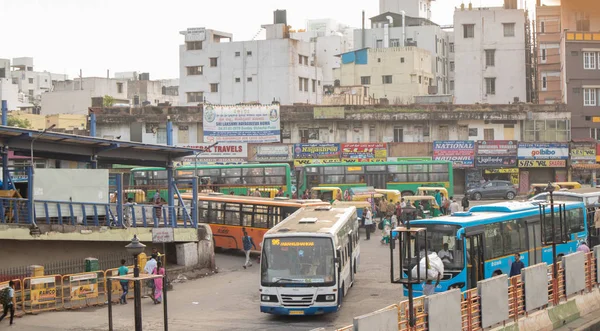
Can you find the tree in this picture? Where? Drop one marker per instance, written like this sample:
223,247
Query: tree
19,122
108,101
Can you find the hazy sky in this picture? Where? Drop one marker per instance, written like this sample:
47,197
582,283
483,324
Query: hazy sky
64,36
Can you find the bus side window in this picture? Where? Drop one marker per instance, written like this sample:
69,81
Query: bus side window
260,217
247,215
575,219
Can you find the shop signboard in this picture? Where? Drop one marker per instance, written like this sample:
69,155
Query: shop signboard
317,151
494,161
222,153
543,151
583,153
597,152
460,152
542,163
497,147
270,153
364,152
244,123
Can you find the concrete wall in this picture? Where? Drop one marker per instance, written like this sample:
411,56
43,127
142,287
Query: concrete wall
574,265
66,102
493,295
536,295
382,320
471,69
444,311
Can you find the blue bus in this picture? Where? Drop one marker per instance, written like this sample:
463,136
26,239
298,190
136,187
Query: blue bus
488,236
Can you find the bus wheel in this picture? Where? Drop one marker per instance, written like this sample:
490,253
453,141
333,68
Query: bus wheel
341,295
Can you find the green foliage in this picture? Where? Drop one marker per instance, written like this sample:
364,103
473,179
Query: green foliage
19,122
108,101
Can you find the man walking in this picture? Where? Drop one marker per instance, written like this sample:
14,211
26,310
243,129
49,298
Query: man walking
368,222
248,244
515,268
8,295
149,269
454,207
256,193
123,270
465,203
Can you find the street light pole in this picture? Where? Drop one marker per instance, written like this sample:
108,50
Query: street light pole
135,248
33,171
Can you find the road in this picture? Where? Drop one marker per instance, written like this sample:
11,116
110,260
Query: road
229,301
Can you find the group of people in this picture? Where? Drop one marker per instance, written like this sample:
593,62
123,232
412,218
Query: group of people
154,266
450,206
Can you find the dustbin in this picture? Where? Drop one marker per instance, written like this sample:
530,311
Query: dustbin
91,264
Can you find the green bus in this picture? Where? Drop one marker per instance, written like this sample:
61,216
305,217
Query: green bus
404,176
241,179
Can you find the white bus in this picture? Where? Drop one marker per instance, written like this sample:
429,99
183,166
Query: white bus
309,261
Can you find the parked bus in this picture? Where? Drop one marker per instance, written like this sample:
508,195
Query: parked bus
404,176
241,179
309,261
484,240
228,214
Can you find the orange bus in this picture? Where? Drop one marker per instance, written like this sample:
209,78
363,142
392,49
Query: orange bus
228,214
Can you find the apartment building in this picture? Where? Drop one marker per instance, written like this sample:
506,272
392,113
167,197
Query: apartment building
548,36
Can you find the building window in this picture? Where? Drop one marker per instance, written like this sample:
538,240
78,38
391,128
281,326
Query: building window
401,60
589,60
379,44
488,134
544,82
365,80
30,93
249,53
300,83
595,133
214,61
195,70
451,85
119,87
589,96
490,86
543,57
451,47
543,27
468,30
249,79
372,133
237,79
30,80
195,96
308,134
420,79
387,79
305,84
214,87
193,45
490,57
398,134
314,85
547,130
237,54
509,29
300,59
394,42
582,21
452,66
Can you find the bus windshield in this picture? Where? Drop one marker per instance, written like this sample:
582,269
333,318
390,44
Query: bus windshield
438,235
302,261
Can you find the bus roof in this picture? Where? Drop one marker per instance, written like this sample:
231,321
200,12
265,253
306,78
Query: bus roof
323,220
220,166
220,197
492,213
449,163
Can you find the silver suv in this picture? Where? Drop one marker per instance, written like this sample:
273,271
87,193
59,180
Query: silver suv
493,189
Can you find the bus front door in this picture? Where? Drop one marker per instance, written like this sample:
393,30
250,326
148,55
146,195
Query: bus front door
534,236
474,260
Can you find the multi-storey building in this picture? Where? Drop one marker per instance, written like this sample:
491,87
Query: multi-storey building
548,35
277,69
30,82
414,8
389,30
490,55
397,74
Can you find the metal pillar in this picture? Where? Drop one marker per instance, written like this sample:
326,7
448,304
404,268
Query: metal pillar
169,132
195,201
119,181
94,162
4,112
31,202
137,295
92,125
171,194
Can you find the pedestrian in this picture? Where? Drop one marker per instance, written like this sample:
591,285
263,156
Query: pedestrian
158,283
402,203
256,193
159,257
248,244
454,207
305,195
156,196
295,195
583,247
231,193
123,271
127,211
279,192
438,198
445,208
394,221
465,203
516,266
7,297
149,269
391,208
386,229
368,222
158,203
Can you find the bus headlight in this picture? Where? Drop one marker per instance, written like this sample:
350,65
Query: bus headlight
325,297
268,298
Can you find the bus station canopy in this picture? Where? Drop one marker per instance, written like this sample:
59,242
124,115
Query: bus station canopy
62,146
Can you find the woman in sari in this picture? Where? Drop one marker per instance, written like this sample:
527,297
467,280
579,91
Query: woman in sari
158,283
